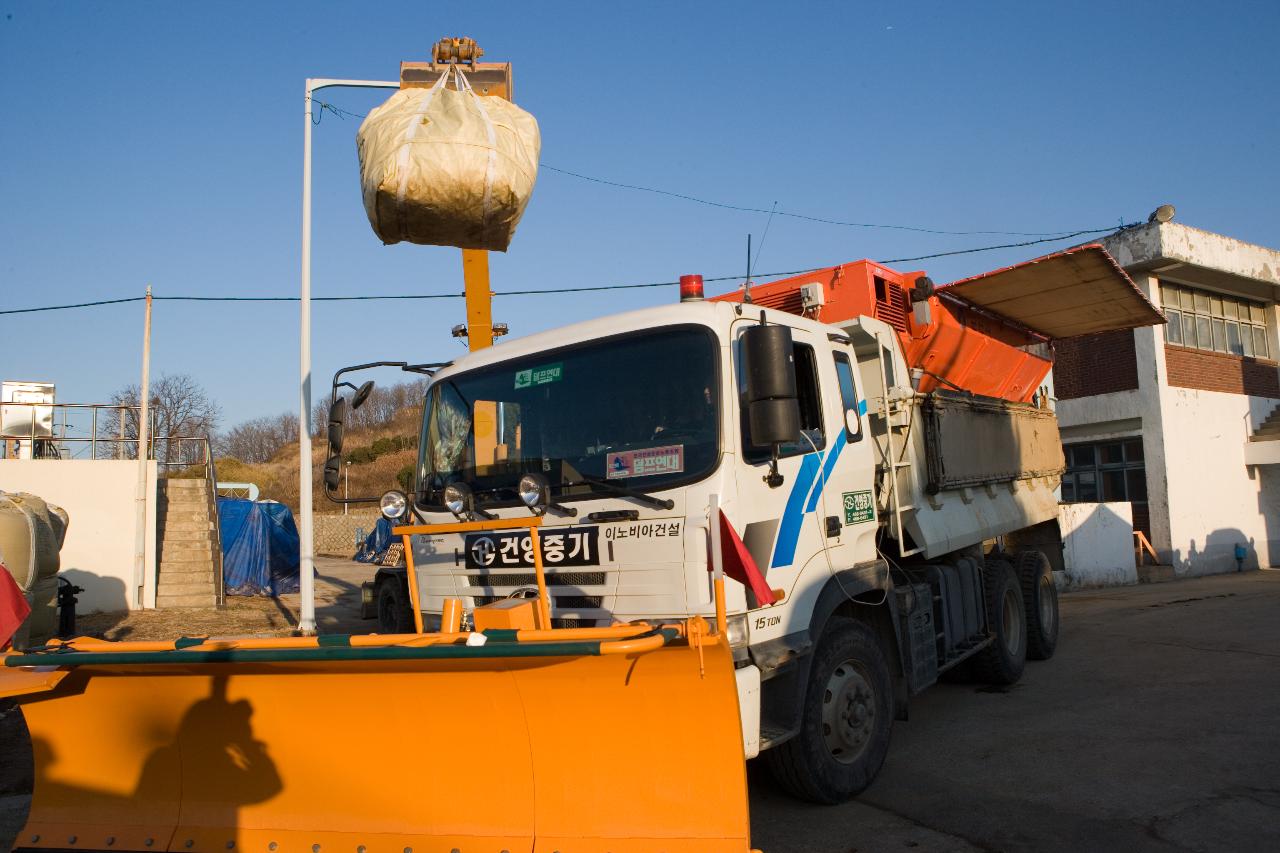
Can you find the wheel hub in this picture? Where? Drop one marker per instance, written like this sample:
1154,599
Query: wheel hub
1048,613
1012,618
848,713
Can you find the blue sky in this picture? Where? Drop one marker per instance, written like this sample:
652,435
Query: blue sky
161,144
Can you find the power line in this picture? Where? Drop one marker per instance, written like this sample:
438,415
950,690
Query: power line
313,299
377,297
338,111
802,216
341,113
532,292
1004,246
76,305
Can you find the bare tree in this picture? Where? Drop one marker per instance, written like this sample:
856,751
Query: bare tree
180,408
320,416
258,440
382,407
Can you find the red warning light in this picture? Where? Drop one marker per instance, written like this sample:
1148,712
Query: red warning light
690,288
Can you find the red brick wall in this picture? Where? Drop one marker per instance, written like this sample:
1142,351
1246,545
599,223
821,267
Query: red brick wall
1214,371
1095,364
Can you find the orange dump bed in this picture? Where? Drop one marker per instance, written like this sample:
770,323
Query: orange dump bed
990,334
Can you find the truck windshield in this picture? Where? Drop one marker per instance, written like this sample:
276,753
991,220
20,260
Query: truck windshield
638,410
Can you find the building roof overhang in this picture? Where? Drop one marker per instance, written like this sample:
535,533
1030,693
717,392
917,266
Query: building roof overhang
1080,291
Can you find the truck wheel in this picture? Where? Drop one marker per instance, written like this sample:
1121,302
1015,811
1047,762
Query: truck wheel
845,723
1040,597
1002,661
394,616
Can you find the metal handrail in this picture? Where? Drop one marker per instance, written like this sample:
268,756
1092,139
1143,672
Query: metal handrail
53,440
211,480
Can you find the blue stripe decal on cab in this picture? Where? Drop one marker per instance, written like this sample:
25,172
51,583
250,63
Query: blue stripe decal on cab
784,552
832,455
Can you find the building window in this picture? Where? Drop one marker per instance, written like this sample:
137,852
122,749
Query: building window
1211,321
1106,471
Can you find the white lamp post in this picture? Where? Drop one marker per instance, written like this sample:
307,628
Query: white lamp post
306,561
346,485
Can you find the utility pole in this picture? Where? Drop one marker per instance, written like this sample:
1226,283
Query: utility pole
144,398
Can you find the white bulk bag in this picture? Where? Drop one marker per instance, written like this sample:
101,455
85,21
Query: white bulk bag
447,167
31,534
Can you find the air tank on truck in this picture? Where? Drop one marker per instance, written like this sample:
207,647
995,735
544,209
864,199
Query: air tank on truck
874,458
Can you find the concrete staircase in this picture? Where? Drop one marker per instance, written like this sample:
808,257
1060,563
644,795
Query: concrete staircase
190,558
1268,430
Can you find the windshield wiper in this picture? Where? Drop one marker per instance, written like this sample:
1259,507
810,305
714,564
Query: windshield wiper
660,503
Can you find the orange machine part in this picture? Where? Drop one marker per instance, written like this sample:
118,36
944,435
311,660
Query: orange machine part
960,348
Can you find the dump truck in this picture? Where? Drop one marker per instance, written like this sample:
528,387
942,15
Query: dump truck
870,460
881,451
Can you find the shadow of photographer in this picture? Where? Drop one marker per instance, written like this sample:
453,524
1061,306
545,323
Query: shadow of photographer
199,781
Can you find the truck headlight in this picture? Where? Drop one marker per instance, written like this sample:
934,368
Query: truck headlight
394,504
736,630
533,490
456,497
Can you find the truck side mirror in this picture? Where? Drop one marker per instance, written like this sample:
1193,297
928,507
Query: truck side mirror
774,422
773,406
773,410
331,474
362,394
337,425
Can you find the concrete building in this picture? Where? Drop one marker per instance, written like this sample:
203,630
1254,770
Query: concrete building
1181,420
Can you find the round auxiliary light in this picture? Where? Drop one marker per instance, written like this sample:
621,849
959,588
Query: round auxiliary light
394,504
690,288
456,496
533,489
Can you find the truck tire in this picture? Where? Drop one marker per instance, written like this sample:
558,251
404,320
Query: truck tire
1003,660
845,722
1040,597
394,615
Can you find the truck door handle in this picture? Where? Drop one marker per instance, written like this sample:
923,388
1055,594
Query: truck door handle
833,526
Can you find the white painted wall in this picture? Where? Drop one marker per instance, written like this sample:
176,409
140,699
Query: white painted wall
1097,544
1215,500
1202,496
100,496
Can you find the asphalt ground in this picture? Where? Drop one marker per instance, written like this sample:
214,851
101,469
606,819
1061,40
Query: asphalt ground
1155,727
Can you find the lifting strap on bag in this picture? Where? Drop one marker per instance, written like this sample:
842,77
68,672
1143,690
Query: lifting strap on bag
406,148
465,85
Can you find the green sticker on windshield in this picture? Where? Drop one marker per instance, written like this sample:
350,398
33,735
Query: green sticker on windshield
544,375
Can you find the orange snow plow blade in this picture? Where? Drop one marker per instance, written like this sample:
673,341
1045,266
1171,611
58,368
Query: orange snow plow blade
621,739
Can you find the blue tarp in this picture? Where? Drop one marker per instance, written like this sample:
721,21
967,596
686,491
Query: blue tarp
259,547
376,543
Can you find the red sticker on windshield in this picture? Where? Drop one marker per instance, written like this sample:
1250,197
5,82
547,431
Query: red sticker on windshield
645,463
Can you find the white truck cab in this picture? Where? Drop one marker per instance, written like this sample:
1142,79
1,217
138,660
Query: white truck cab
620,431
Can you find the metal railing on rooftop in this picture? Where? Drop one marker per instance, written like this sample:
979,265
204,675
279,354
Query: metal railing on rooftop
93,431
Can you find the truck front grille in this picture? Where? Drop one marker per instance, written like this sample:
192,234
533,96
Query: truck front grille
559,602
503,579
